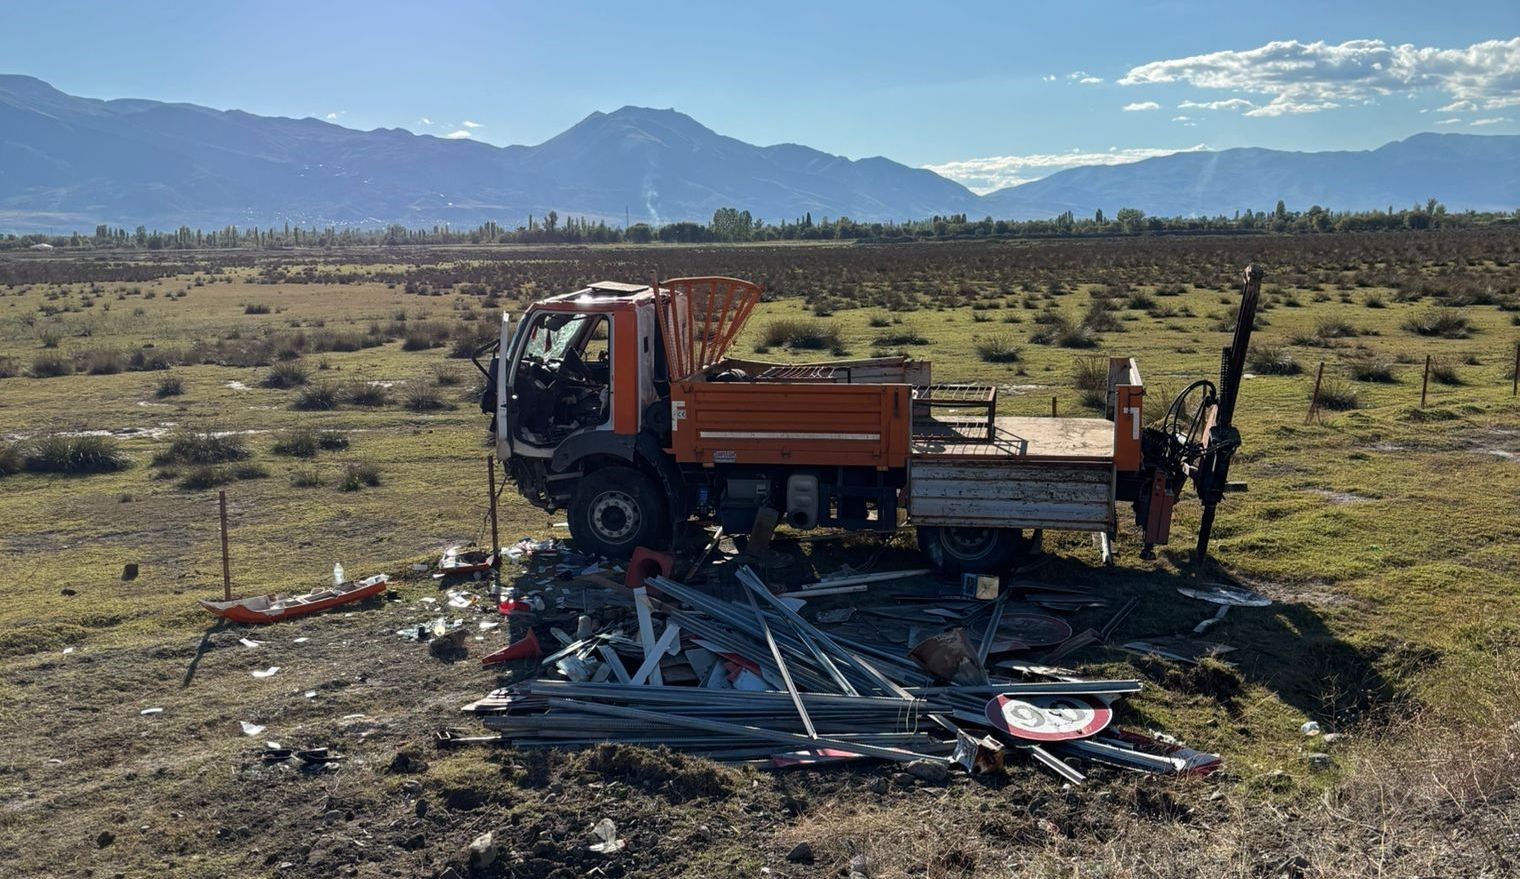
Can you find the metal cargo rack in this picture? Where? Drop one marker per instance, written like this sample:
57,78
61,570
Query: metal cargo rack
979,427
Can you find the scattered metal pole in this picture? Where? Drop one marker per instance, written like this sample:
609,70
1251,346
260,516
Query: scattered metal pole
786,675
1514,384
1314,398
491,486
1425,382
1052,405
226,563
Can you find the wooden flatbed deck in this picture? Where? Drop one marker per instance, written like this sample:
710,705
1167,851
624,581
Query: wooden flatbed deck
1032,439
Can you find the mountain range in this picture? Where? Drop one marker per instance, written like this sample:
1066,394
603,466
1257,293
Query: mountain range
69,163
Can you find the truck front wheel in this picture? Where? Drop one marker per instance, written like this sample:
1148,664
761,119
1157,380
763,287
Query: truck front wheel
615,510
972,550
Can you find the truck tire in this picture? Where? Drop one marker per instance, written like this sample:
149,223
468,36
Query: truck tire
615,510
972,550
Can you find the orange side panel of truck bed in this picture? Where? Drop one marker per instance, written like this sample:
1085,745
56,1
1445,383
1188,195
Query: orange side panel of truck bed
819,424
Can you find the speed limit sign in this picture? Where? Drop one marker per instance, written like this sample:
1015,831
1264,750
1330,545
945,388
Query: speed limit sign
1048,718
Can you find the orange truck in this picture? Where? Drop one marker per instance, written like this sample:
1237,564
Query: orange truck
620,404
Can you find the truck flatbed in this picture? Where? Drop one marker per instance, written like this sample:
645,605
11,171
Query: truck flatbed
1029,438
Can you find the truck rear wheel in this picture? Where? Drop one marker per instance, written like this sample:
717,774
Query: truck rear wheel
972,550
615,510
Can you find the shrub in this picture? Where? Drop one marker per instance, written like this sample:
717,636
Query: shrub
1334,328
103,361
58,453
803,334
904,335
419,340
366,394
51,366
284,376
1447,323
203,447
1445,374
332,441
255,308
1371,368
320,395
305,477
1140,300
999,348
1090,376
8,367
1267,359
210,476
1338,395
49,338
169,386
298,443
11,459
1101,319
1374,300
446,376
877,321
357,476
423,397
152,360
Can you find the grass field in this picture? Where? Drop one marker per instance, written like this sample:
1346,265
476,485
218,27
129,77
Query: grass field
1388,535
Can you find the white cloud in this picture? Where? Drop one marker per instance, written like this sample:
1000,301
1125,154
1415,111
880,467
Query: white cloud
468,124
1049,77
1493,120
996,172
1310,77
1452,121
458,134
1141,105
1229,104
1457,107
424,121
334,115
1084,78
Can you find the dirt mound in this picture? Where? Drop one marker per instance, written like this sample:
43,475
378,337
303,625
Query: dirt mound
659,771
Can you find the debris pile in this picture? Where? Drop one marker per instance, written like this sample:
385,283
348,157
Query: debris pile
750,680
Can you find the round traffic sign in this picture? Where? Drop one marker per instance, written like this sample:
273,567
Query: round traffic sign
1049,718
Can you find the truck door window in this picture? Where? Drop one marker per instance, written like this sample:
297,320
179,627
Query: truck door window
563,381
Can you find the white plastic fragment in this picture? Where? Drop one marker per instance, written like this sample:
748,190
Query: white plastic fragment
1310,728
607,842
147,711
268,672
250,729
249,642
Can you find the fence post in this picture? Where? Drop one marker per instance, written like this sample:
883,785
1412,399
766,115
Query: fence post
1052,406
1314,397
1514,384
491,487
1425,382
226,563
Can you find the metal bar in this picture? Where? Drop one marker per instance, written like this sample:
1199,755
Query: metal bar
786,676
992,626
895,754
646,630
226,562
1056,764
1036,688
614,662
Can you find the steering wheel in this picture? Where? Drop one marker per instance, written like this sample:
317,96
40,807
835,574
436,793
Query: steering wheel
573,369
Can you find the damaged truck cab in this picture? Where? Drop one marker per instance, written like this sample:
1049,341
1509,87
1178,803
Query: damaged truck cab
619,404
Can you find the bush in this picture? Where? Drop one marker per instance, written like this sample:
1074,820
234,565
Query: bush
999,348
423,397
169,386
11,459
209,476
284,376
904,335
366,394
803,334
51,366
306,443
317,396
8,367
1338,395
1090,376
419,341
447,377
306,477
1371,368
73,455
1447,323
357,476
203,447
1267,359
332,441
877,321
152,360
103,361
255,308
1445,374
1334,328
1101,319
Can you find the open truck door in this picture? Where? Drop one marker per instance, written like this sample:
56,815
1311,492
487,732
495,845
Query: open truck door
502,364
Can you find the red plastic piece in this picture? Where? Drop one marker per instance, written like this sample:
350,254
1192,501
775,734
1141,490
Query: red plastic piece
648,563
525,648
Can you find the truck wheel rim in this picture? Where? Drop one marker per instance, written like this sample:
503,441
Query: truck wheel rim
968,543
614,515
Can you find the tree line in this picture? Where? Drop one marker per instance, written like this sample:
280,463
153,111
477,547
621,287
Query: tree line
734,225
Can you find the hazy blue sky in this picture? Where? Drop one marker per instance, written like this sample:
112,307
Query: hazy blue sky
987,93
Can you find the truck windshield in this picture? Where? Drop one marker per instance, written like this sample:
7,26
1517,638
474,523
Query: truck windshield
552,334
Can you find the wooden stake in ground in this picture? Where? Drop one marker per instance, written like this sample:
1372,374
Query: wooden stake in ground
1052,406
1514,383
1425,382
1314,397
491,486
226,563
